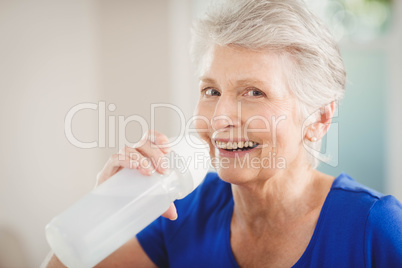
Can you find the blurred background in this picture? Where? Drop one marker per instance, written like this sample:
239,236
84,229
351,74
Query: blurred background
116,58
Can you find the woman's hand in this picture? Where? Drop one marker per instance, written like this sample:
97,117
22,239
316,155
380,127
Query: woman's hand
147,157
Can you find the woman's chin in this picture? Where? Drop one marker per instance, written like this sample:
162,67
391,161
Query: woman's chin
238,176
232,177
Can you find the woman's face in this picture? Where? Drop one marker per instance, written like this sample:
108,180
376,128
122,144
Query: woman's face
247,114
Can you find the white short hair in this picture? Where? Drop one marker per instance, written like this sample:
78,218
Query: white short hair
314,68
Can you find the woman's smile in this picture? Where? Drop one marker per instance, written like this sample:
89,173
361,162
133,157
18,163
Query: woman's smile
233,148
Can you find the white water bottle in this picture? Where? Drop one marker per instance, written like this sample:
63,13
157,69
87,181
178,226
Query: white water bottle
113,213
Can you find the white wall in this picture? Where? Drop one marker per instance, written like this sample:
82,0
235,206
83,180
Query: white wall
55,55
133,65
47,66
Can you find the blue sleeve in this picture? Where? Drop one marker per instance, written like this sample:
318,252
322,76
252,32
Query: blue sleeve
383,234
152,242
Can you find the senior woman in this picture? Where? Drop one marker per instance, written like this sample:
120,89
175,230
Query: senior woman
270,76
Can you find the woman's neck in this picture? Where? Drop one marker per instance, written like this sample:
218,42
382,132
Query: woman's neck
283,199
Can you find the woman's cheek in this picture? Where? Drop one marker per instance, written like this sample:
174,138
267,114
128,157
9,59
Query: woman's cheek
202,120
258,120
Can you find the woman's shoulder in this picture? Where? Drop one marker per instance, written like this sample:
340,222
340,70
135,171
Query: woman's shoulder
354,212
383,232
348,193
345,190
347,184
380,214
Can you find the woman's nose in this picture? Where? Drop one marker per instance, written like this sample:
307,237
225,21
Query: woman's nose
227,114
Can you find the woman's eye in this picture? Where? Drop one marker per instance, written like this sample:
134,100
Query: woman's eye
212,92
254,93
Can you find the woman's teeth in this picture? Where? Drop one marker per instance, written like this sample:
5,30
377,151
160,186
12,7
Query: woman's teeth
236,146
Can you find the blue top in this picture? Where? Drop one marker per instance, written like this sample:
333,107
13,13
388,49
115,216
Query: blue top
357,227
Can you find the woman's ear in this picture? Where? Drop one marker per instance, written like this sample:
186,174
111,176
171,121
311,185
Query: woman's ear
318,129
